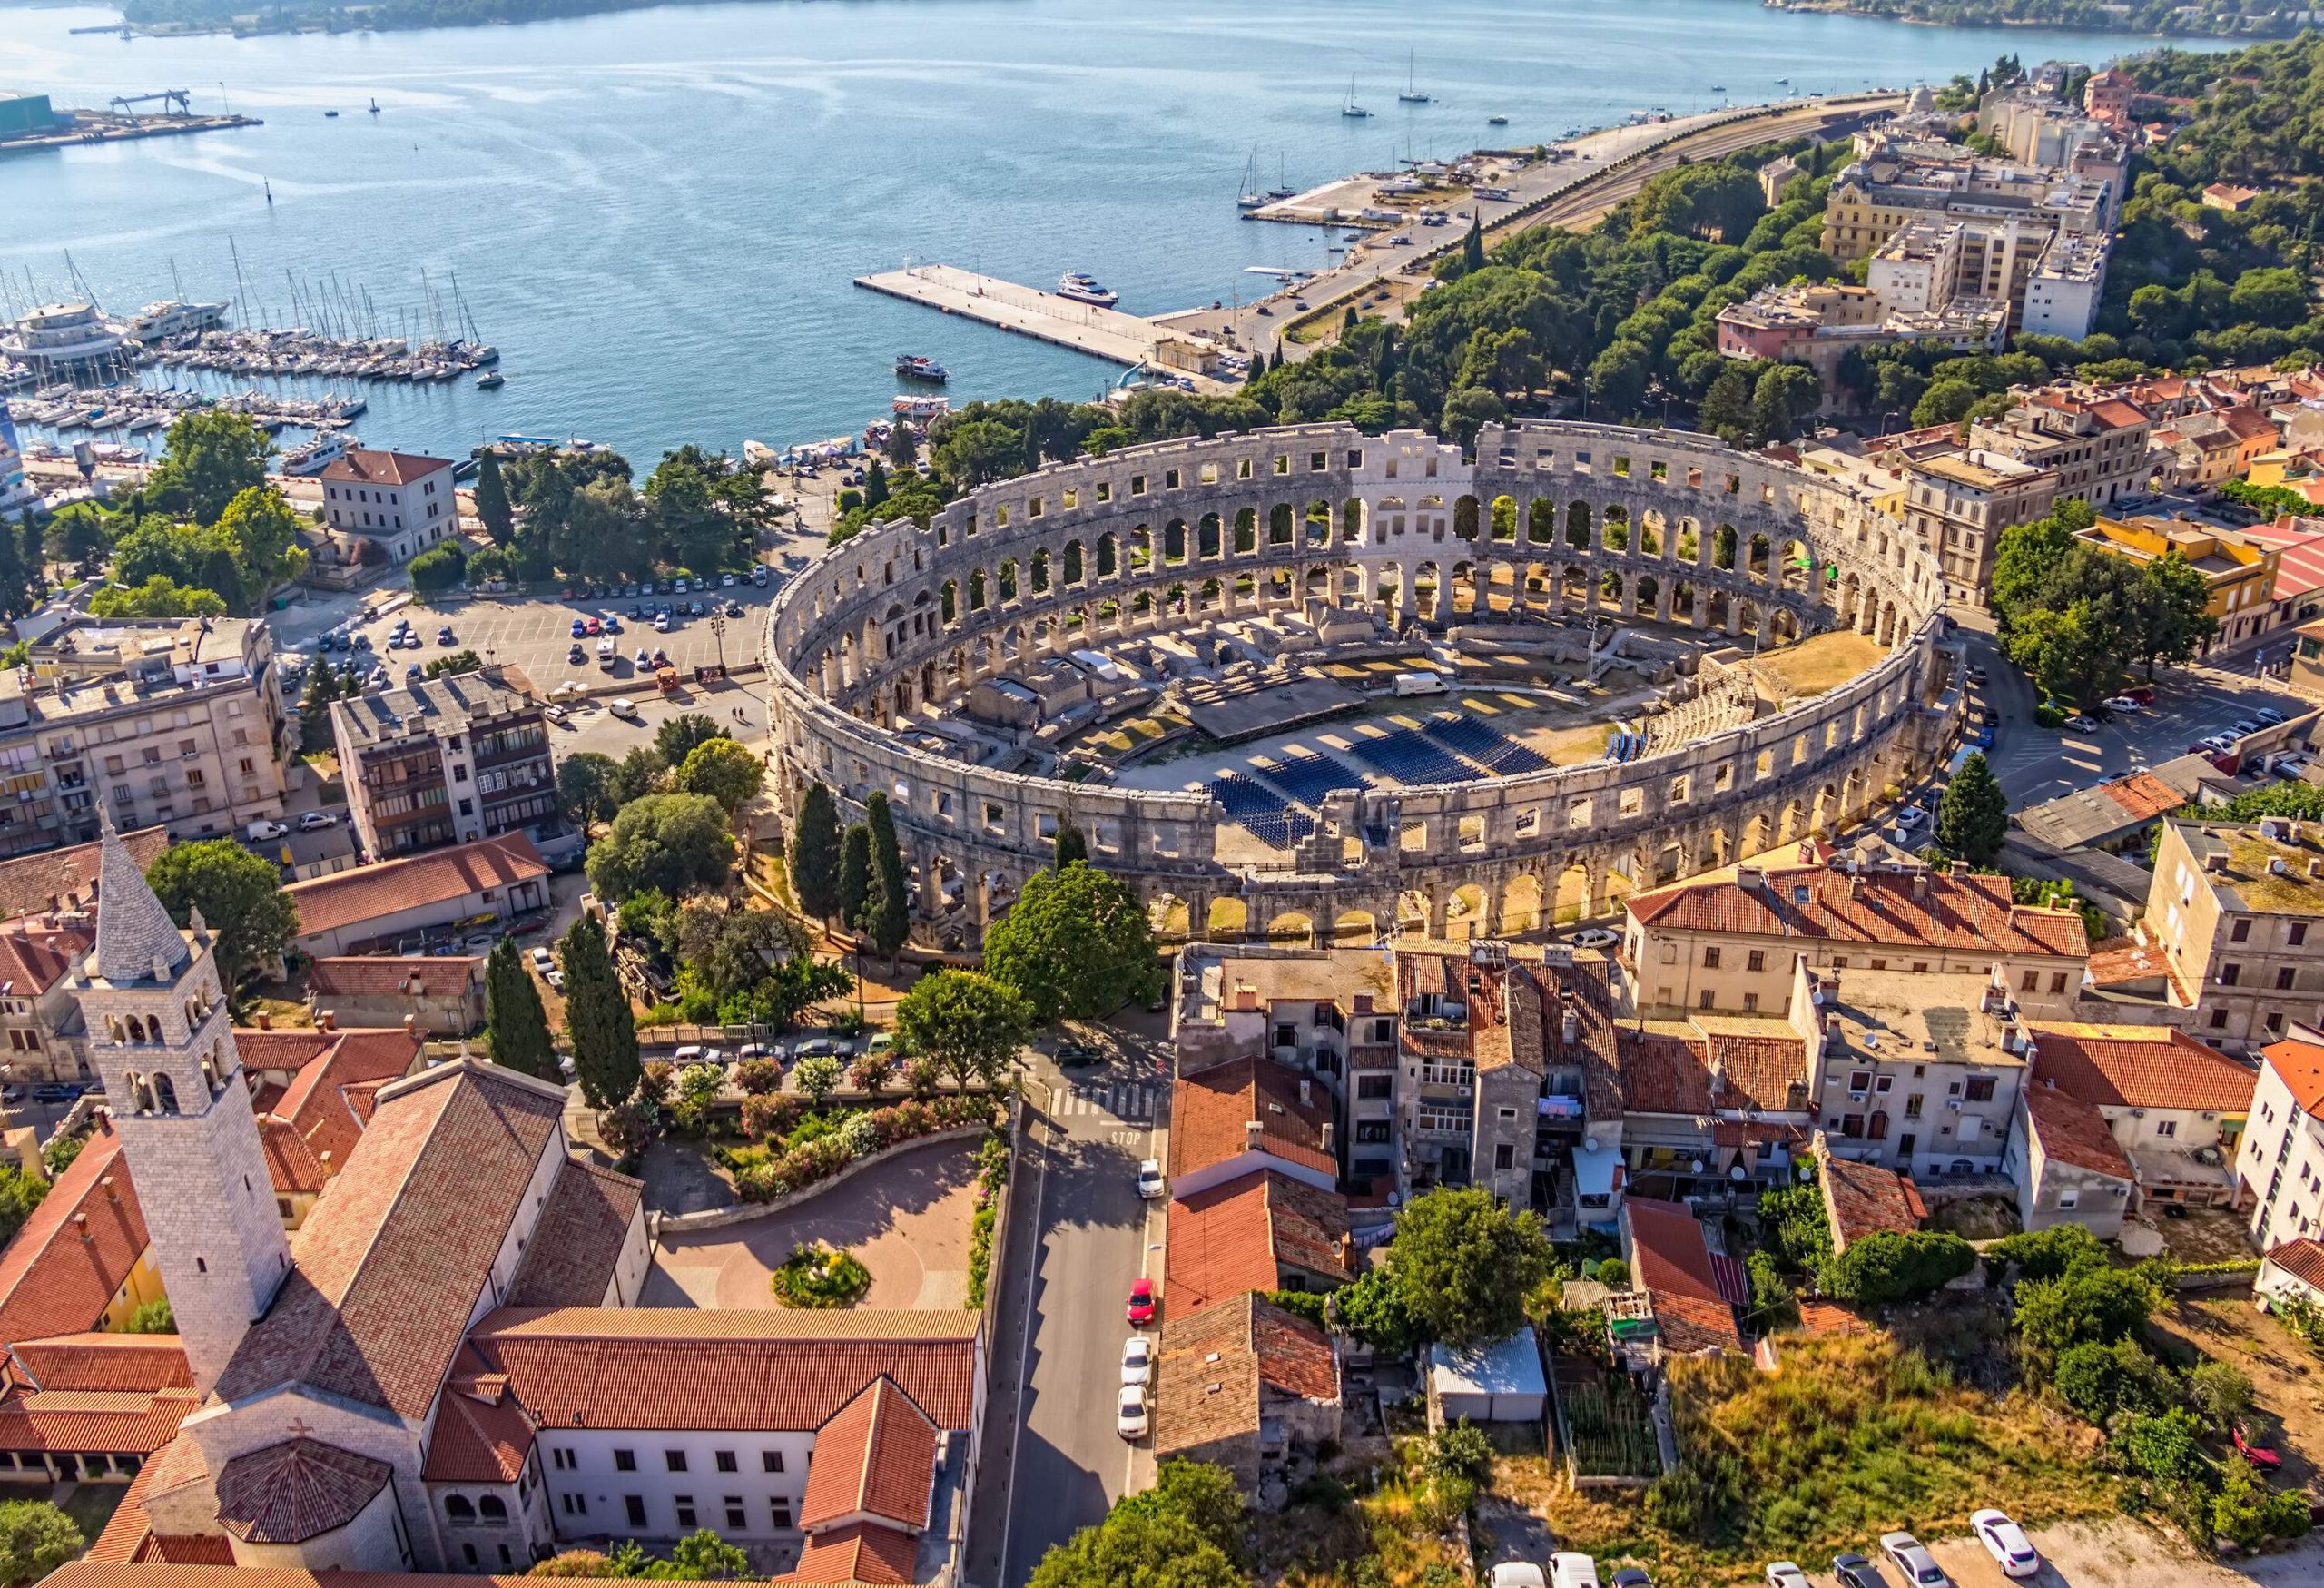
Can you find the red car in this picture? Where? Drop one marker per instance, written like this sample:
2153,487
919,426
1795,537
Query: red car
2257,1454
1141,1302
593,625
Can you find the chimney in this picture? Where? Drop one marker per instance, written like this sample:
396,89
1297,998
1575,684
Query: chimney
265,1020
1246,997
1570,1026
328,1019
1306,1090
1347,1250
1920,884
1323,1137
1750,877
1254,1131
411,1025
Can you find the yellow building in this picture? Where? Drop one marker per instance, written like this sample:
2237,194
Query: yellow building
2239,573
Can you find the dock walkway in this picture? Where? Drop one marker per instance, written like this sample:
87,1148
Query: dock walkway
1104,333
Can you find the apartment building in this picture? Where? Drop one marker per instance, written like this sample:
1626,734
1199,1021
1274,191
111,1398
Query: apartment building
2176,1107
1727,943
175,722
2041,130
2280,1167
1960,502
2065,290
2237,910
2096,446
446,761
1819,323
1877,196
2239,573
387,507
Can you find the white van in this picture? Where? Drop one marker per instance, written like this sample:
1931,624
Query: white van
623,707
1421,683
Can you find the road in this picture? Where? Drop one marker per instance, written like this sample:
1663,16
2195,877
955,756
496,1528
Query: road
1079,1235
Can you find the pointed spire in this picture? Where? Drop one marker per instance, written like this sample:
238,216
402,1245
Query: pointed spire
135,936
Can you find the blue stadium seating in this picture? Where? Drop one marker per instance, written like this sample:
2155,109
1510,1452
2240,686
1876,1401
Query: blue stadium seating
1309,777
1407,758
1488,747
1260,811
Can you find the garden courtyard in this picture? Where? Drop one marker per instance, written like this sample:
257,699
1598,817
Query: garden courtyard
906,1220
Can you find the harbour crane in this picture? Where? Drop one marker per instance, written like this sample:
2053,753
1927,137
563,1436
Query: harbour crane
180,97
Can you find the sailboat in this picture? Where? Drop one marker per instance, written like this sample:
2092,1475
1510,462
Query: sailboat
1251,198
1351,108
375,107
1282,188
1412,94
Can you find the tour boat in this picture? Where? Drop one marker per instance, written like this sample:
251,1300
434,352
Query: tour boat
919,367
1349,108
1083,287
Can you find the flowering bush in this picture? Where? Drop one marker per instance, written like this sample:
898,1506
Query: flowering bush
767,1116
758,1077
627,1128
803,1164
816,1276
653,1081
860,1135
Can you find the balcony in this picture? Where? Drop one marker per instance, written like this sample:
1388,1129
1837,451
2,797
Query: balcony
1461,1077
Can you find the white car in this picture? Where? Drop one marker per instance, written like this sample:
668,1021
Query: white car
555,714
1137,1360
2122,703
543,961
1910,1555
315,820
555,978
662,623
1911,816
1571,1569
1517,1575
623,706
2006,1542
1594,937
1130,1418
2081,723
1150,1178
1784,1574
261,832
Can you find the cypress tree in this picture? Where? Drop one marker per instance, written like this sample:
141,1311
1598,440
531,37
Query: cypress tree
597,1014
516,1026
1973,818
875,486
1071,846
492,499
854,875
1473,247
1347,320
814,852
903,451
887,912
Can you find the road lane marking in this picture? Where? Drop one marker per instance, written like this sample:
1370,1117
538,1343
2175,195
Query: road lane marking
1025,1338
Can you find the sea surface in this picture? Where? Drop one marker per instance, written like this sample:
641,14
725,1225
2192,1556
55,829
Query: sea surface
655,215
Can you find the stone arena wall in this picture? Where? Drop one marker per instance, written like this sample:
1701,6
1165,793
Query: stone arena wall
1548,519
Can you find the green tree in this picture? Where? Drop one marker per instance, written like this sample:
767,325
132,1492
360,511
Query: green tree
681,735
903,449
597,1016
1372,1310
2102,1305
1472,246
159,596
1726,410
724,771
1944,403
636,775
1785,394
1072,844
703,1555
1197,1493
817,1075
887,912
240,896
1462,1264
2102,1379
210,455
854,886
970,1024
35,1538
585,786
439,567
20,1193
452,666
1468,410
1138,1548
1892,1266
1973,818
814,852
2175,625
153,1318
492,499
2048,1254
676,842
1076,943
516,1026
264,533
2220,1392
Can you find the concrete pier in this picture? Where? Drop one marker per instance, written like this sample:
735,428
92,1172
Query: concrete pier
1104,333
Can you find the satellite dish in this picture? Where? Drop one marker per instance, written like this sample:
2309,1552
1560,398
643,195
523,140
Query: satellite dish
1698,1165
1735,1171
1589,1144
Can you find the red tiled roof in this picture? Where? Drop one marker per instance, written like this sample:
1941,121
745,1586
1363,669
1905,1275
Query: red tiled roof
863,1552
680,1368
111,1422
33,958
389,887
1211,1109
2117,414
2300,1065
379,975
1959,912
1235,1236
2142,794
309,1129
389,1267
1294,1355
2140,1067
1242,1346
294,1491
1670,1261
482,1435
2303,1259
1864,1198
34,885
2073,1131
1663,1074
875,1460
577,1242
127,1536
76,1249
104,1361
363,465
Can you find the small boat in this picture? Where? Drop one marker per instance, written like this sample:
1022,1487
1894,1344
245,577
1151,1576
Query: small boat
1251,198
1082,288
1412,93
331,114
375,107
919,367
490,380
1783,82
1282,188
1496,121
1718,88
1349,108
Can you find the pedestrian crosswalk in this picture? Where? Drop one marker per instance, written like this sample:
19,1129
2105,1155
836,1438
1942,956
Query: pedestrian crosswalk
1119,1099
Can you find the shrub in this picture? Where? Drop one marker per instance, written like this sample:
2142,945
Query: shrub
628,1127
768,1116
1460,1450
2046,1254
2100,1380
980,1228
819,1276
2104,1305
1888,1266
758,1077
859,1134
655,1080
922,1077
1614,1274
1772,1302
816,1147
1304,1304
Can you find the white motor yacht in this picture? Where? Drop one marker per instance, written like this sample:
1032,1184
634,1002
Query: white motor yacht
1086,289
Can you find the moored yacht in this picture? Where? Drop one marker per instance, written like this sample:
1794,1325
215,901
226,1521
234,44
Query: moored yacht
159,321
919,367
317,455
1083,287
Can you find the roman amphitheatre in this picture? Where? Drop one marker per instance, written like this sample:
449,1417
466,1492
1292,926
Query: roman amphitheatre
1627,657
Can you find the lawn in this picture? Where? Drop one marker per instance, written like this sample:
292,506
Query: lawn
1852,1435
1818,663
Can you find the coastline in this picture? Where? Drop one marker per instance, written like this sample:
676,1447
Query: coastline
2274,33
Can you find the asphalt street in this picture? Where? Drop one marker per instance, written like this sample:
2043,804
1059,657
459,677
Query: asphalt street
1079,1234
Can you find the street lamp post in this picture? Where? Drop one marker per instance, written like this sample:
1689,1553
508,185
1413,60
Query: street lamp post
718,634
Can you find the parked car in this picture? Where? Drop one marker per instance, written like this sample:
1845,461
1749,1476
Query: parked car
1594,937
557,714
576,655
1786,1575
2122,703
264,832
2290,767
1910,1555
579,628
623,707
316,821
1150,1178
57,1091
662,623
1632,1577
1568,1568
2250,1450
727,581
541,958
2246,726
758,576
1855,1571
1141,1302
2081,722
1518,1575
1911,816
555,978
1129,1418
2006,1542
2269,715
1137,1360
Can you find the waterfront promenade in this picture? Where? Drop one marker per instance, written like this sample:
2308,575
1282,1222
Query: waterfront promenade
1104,333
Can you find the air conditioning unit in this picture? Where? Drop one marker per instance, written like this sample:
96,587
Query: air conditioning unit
1952,1103
2138,1113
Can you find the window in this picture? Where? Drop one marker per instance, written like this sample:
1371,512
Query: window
2058,982
1710,958
726,1462
781,1507
2166,1127
770,1461
2069,1197
1981,1089
625,1461
2240,932
2030,982
492,1508
458,1509
2283,979
684,1503
1757,959
1707,1000
1374,1087
1851,1124
575,1504
2298,934
675,1460
2228,975
634,1506
1504,1155
1859,1080
562,1460
735,1518
1751,1002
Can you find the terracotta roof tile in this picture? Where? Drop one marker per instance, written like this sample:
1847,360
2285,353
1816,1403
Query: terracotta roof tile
2142,794
106,1574
59,1274
290,1493
114,1421
482,1435
366,466
2073,1131
104,1361
863,1553
1670,1261
35,884
577,1243
2300,1065
1663,1073
1233,1238
127,1537
680,1368
2140,1067
381,975
307,1128
389,887
2119,961
1214,1364
1211,1112
875,1460
32,957
1865,1197
389,1267
2303,1259
1957,912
